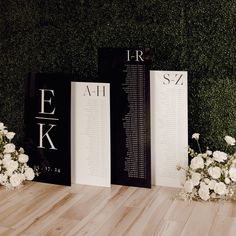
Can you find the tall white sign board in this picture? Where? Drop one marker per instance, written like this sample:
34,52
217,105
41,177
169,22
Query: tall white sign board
169,122
90,133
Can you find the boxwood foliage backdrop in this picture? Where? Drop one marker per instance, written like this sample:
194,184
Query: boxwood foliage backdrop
63,36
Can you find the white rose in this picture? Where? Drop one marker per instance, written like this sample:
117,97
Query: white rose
230,140
10,135
196,178
11,165
23,158
220,188
15,180
2,127
219,156
196,136
232,173
204,193
227,181
212,184
188,186
6,159
9,148
214,172
197,162
29,174
209,161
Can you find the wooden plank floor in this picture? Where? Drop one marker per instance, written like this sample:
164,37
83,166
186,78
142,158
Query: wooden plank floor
43,209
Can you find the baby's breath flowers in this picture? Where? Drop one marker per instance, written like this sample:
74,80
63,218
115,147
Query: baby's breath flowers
13,162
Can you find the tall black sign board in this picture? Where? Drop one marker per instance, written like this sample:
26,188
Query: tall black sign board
127,71
47,126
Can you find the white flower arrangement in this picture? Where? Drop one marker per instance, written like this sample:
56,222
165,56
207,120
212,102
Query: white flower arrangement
13,162
211,175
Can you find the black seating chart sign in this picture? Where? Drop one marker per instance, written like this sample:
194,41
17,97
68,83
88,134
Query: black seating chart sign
127,71
47,126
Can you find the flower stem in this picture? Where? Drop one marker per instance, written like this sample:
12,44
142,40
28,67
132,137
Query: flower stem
199,147
226,147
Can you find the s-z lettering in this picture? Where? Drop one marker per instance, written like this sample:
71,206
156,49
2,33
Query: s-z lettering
177,80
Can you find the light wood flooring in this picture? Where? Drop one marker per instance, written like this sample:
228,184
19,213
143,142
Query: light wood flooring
43,209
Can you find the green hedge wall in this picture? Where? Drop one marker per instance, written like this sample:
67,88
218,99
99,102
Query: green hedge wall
63,35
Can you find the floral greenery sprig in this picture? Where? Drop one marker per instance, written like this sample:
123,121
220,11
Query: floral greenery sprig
211,175
13,163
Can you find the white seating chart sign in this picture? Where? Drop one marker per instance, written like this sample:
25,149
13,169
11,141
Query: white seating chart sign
90,108
169,122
